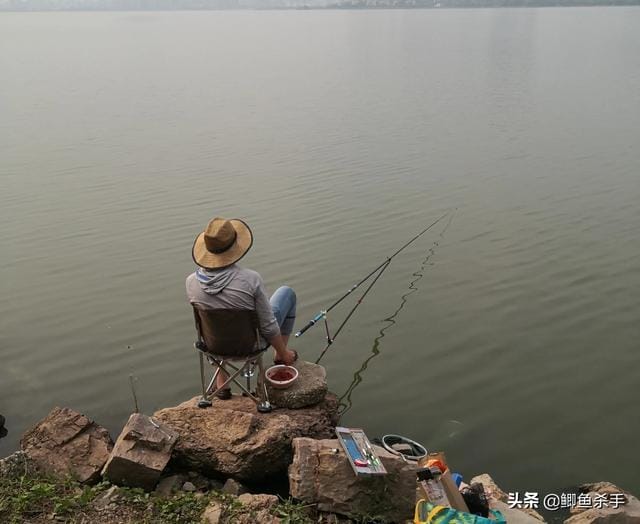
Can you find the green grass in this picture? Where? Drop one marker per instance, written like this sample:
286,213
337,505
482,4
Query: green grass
291,512
38,498
184,507
28,497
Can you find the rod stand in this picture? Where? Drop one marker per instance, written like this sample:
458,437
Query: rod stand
326,328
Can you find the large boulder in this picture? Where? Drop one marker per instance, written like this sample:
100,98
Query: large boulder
498,500
232,439
605,503
141,452
67,443
309,389
321,474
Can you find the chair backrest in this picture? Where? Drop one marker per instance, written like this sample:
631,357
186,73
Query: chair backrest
227,332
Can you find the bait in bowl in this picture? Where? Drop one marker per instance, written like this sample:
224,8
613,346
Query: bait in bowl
281,376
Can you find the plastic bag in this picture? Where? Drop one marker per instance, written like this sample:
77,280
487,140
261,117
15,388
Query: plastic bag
428,513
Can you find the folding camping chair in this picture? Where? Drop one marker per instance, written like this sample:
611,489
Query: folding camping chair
229,339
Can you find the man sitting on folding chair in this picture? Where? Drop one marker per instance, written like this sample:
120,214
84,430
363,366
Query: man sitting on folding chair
219,283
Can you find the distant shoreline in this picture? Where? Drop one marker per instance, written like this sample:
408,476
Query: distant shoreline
635,3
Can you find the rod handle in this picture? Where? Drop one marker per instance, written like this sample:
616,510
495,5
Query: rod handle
305,328
311,323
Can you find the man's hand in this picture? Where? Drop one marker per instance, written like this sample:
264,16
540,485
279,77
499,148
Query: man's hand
282,353
289,357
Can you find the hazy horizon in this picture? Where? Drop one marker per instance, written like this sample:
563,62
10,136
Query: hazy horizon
156,5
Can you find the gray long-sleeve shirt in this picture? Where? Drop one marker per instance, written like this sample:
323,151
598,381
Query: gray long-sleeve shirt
234,287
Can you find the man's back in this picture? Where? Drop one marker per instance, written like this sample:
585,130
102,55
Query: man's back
233,287
219,284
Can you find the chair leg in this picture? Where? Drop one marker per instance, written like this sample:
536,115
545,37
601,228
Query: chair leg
204,402
246,391
231,371
262,399
264,406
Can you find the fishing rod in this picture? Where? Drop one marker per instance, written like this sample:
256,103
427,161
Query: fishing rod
344,402
322,315
330,338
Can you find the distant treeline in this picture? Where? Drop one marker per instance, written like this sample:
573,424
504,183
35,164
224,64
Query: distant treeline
128,5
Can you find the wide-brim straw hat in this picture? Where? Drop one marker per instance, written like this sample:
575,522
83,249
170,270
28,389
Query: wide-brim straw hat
222,243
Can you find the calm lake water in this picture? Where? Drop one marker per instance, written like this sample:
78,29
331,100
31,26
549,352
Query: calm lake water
338,135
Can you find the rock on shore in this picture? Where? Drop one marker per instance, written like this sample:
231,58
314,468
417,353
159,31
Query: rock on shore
321,475
231,439
140,453
627,513
308,390
66,442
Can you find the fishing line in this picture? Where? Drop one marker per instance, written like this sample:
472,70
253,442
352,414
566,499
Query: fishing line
344,402
378,271
330,339
323,313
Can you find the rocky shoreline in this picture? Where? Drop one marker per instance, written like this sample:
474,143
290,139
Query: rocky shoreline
225,464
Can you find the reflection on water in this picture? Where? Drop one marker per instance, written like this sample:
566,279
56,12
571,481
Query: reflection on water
445,433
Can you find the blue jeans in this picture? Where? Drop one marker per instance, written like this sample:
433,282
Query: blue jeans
283,303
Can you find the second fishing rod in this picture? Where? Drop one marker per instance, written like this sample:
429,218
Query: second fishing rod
322,315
